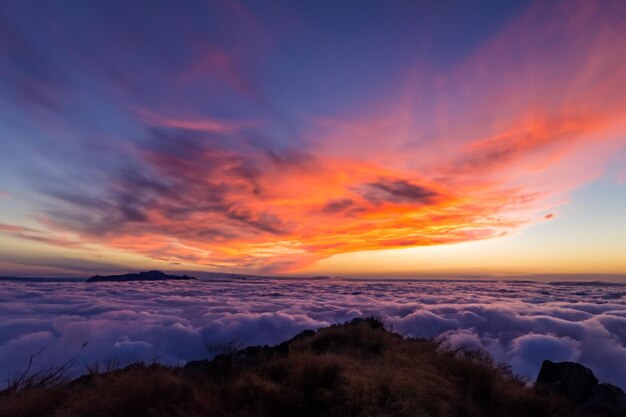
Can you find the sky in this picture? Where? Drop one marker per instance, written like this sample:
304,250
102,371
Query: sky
318,138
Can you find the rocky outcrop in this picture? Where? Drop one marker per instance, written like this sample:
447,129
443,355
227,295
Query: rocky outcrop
141,276
580,386
569,379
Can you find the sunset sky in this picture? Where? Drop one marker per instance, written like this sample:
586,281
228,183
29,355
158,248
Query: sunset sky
320,137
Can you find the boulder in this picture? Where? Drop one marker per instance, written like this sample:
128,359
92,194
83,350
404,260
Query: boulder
578,384
569,379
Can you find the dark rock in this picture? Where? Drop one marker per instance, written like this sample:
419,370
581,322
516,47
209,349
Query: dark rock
578,384
141,276
568,379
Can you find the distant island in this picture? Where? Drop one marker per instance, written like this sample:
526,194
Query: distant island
141,276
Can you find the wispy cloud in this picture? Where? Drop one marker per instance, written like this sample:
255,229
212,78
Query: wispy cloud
42,236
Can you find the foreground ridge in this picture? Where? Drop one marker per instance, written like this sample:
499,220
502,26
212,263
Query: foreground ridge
354,369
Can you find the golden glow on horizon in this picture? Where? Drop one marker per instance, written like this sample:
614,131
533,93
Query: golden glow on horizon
499,256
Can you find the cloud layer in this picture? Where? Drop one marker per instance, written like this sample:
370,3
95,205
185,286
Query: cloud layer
521,323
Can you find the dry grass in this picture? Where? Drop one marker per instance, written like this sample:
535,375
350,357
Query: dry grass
355,369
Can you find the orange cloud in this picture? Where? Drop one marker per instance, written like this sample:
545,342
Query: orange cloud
223,208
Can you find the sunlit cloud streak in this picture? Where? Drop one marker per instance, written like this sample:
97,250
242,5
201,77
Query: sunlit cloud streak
37,235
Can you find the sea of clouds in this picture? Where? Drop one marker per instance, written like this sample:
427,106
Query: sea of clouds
521,323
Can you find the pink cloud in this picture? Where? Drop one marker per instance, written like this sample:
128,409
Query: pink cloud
207,125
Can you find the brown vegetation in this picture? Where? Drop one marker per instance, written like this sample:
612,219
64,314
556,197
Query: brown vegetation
355,369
